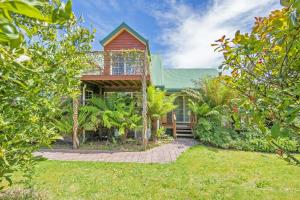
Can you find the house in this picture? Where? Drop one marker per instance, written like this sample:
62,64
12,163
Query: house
123,73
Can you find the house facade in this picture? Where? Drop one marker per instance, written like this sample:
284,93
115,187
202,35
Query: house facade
121,63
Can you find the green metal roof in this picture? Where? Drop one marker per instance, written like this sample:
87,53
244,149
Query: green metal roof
156,70
181,78
130,30
176,79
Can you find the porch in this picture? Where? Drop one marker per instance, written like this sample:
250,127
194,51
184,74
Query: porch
115,83
178,122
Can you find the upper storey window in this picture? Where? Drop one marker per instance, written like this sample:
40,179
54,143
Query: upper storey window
118,65
126,63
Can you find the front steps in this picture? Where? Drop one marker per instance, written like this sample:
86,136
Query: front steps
183,131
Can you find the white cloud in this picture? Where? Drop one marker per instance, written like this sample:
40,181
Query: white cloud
188,31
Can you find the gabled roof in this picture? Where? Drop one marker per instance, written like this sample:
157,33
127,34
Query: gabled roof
119,29
176,79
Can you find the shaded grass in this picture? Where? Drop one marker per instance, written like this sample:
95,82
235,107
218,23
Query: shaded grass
200,173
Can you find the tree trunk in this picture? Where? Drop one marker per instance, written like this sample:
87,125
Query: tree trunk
124,136
154,129
75,139
144,104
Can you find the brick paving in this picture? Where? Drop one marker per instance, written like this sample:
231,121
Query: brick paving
163,154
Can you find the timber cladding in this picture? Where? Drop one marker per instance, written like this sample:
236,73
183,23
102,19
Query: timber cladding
122,41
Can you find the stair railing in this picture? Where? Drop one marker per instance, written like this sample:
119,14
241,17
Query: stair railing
174,124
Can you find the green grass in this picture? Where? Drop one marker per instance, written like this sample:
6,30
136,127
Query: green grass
200,173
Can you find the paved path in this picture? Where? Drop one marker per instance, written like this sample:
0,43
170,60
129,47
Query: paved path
163,154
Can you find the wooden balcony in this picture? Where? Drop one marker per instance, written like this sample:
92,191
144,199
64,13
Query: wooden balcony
111,83
116,71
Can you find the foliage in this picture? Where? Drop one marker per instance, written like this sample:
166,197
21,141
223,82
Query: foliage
35,74
113,112
210,103
10,28
64,120
211,91
219,125
247,141
159,104
123,116
265,72
161,132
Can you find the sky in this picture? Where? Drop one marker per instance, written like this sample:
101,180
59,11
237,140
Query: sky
180,30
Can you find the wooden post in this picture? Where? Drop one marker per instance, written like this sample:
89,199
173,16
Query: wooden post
174,124
144,101
75,123
83,103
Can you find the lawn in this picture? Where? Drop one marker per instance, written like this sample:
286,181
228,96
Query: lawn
200,173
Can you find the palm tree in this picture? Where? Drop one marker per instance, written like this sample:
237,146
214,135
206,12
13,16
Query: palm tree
159,104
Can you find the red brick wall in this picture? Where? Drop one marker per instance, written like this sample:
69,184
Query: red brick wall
124,41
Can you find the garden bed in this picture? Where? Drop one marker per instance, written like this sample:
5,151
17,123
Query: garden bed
129,145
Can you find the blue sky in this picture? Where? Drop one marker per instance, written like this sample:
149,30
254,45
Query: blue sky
180,30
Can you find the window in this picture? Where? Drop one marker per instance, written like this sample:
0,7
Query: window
122,64
118,65
88,94
130,66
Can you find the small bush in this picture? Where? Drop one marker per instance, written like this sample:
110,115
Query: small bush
248,141
161,132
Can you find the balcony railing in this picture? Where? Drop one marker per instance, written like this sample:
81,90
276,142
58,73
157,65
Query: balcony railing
97,64
93,71
115,63
126,70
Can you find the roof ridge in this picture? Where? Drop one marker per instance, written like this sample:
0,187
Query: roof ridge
176,68
116,30
125,26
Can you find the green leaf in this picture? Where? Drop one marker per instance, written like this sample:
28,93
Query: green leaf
39,158
293,19
68,8
10,31
275,130
285,3
57,137
269,138
23,7
8,179
285,133
205,124
238,35
297,6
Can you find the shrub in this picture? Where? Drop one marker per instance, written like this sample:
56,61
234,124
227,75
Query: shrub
247,141
159,104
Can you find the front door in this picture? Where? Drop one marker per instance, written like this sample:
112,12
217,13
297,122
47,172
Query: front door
182,110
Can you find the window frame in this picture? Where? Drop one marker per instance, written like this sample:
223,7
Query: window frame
126,65
87,96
